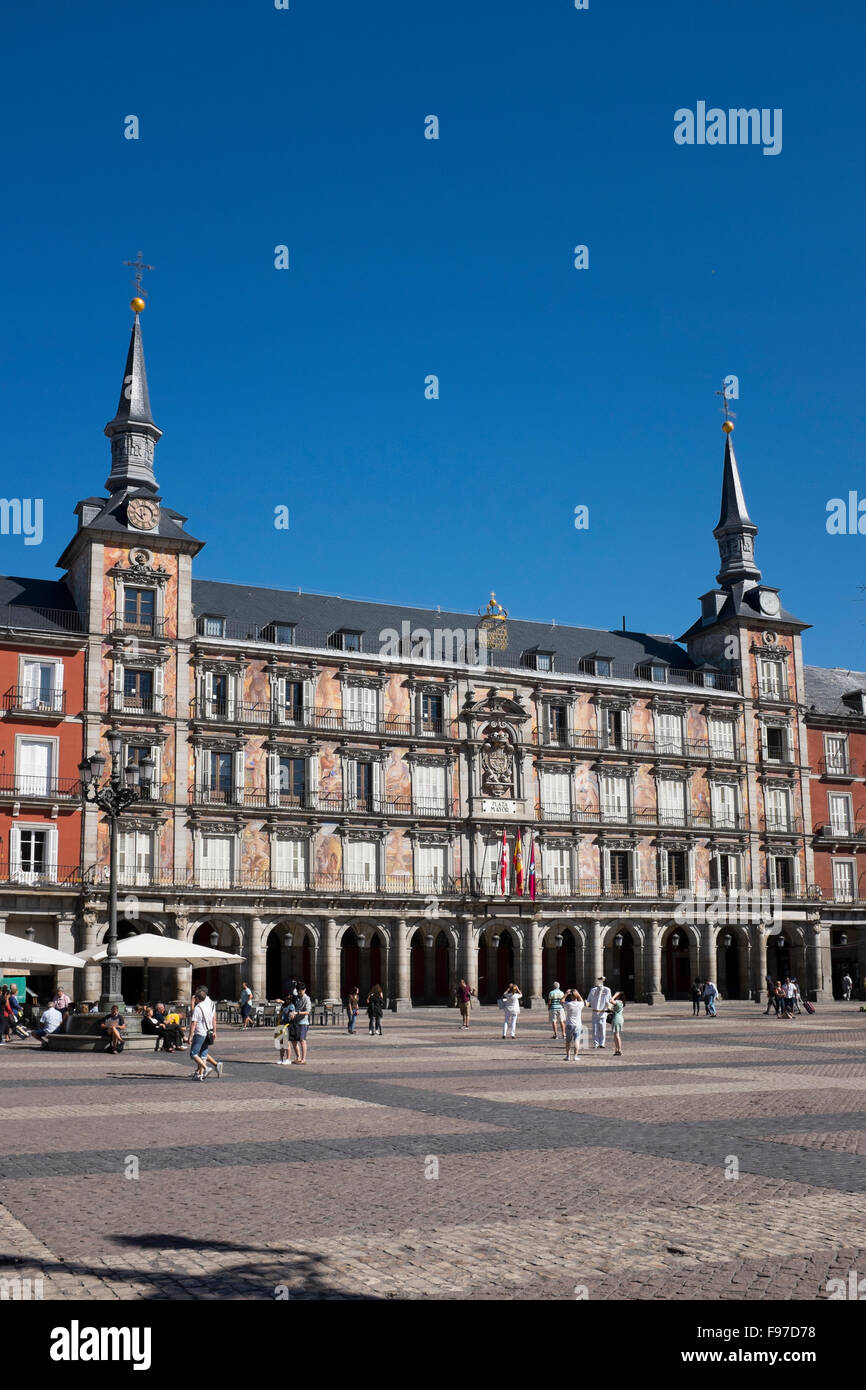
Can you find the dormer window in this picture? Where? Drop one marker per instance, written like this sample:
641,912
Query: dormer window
281,633
855,700
345,640
596,665
210,626
656,671
537,660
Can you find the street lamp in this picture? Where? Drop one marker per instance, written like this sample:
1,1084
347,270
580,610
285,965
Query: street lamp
727,939
780,941
559,940
112,797
675,940
843,940
30,933
617,940
214,939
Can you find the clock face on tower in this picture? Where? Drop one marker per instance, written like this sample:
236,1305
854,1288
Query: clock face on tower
143,514
769,603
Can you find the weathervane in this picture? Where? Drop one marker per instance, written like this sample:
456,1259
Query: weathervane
730,417
138,266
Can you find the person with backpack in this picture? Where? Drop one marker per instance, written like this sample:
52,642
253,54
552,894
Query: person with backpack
202,1035
711,994
554,1010
282,1036
573,1010
375,1009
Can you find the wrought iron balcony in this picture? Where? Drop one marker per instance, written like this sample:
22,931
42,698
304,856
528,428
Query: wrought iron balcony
783,825
30,699
133,703
15,786
846,769
37,876
137,627
774,690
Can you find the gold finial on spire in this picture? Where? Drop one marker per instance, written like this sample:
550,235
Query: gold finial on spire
730,417
137,304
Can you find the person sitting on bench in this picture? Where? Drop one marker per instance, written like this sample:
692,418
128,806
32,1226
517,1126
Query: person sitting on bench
113,1026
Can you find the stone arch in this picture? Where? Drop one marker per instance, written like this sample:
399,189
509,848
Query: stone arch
623,967
564,962
500,956
680,965
222,981
732,960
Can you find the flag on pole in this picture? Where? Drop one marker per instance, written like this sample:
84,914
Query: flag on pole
503,864
518,864
532,868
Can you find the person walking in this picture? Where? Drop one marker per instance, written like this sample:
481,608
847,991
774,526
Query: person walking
353,1005
697,996
375,1009
573,1009
246,1003
771,996
283,1035
202,1035
7,1016
780,999
711,994
511,1006
464,1002
616,1026
847,986
599,1000
554,1010
300,1023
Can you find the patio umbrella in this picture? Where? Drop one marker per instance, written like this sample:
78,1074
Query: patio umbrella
150,948
17,950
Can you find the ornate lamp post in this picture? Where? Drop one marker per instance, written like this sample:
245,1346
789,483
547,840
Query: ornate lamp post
121,789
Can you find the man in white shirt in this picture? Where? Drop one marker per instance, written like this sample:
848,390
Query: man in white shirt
49,1022
598,999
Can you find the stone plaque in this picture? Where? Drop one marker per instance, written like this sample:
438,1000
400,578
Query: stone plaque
491,806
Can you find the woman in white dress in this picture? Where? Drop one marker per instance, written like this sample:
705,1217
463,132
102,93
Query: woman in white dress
511,1006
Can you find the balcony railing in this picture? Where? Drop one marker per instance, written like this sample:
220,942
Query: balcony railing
30,699
24,618
652,747
29,876
774,690
264,713
137,627
783,825
593,815
38,788
845,768
121,703
275,880
334,803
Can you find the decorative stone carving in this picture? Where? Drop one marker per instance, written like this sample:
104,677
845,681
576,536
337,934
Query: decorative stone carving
497,762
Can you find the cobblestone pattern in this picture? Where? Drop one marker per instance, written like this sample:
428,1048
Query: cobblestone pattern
438,1164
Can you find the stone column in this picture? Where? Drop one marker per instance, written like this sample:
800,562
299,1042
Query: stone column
91,986
256,961
401,998
652,965
330,965
759,964
181,976
708,953
66,942
468,968
596,954
820,970
534,930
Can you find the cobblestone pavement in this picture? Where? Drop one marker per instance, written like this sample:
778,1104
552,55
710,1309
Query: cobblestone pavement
439,1163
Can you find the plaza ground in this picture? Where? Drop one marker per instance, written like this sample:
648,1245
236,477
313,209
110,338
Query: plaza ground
607,1175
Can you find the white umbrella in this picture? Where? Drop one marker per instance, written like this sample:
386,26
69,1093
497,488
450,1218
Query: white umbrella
152,949
17,950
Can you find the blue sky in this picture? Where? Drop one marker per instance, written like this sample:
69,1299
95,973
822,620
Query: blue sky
409,257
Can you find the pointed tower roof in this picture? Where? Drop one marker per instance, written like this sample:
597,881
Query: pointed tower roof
735,531
132,432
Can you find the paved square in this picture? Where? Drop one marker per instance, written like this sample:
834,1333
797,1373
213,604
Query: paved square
437,1163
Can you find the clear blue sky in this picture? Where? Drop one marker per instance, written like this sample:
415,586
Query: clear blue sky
409,257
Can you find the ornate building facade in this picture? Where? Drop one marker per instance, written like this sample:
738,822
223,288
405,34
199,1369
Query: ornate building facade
338,782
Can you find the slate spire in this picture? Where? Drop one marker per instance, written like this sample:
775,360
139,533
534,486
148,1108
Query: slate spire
132,432
735,531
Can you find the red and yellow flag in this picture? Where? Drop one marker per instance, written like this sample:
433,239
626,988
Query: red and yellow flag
518,865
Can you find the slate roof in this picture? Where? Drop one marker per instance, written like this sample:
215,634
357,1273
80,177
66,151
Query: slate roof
44,604
825,687
248,610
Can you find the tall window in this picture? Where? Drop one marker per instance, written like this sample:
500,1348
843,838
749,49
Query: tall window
722,740
776,743
836,753
771,679
778,804
432,713
669,736
724,800
221,778
289,863
677,867
42,685
614,725
557,870
215,861
432,862
614,798
33,773
135,856
138,689
555,795
784,875
293,781
557,724
359,860
429,790
294,701
844,882
31,853
725,872
671,802
841,816
361,708
364,786
620,871
219,701
139,609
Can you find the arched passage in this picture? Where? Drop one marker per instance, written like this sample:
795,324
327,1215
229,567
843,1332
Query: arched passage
560,962
619,962
676,963
377,962
417,980
441,969
350,963
732,975
221,981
